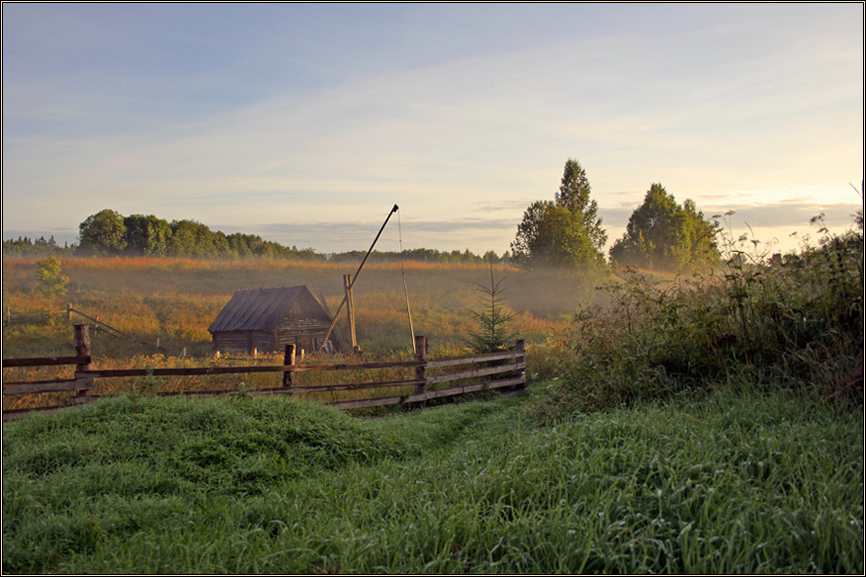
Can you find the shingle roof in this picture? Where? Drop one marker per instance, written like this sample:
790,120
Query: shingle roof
256,309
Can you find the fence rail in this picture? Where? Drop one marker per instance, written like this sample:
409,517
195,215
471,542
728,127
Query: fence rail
46,361
510,364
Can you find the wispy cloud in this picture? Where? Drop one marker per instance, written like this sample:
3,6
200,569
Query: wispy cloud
311,114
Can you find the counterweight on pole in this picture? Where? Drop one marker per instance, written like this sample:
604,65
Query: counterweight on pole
357,272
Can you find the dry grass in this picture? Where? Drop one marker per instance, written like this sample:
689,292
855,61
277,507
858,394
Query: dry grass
173,301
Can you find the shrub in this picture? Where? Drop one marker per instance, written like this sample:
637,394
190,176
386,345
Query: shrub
795,321
52,283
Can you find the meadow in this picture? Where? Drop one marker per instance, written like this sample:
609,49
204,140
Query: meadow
173,301
177,299
700,424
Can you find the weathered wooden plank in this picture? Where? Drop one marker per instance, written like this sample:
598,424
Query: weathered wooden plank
476,373
224,392
15,414
180,372
364,403
354,386
449,392
46,387
464,389
190,371
351,366
46,361
472,359
516,381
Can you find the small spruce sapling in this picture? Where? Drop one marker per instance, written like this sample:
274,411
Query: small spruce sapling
494,322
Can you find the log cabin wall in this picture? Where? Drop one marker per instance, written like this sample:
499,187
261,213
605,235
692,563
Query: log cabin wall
266,320
304,332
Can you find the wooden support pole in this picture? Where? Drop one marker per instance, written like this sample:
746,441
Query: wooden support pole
289,359
350,311
520,348
421,370
82,349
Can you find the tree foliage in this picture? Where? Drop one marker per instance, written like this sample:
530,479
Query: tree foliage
52,283
147,235
663,235
566,232
574,195
102,234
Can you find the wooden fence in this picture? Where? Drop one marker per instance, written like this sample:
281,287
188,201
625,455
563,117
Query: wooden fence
476,371
44,317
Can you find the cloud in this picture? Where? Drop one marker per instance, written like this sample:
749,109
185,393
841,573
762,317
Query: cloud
477,234
327,136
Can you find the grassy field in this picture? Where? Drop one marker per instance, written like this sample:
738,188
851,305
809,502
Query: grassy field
730,484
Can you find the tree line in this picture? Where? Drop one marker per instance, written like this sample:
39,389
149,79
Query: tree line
108,233
564,232
25,247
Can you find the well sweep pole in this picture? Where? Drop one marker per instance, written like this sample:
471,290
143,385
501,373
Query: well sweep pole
340,309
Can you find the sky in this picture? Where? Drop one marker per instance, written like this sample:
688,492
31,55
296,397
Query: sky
306,123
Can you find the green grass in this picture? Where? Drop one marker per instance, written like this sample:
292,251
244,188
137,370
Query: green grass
733,484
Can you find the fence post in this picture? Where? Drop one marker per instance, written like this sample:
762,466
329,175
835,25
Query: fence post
68,312
421,371
289,359
520,347
82,349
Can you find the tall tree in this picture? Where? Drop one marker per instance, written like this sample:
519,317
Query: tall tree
566,232
574,195
662,235
102,233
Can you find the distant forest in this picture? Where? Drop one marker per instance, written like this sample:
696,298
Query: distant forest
661,235
110,234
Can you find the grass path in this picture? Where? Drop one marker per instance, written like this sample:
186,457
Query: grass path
250,485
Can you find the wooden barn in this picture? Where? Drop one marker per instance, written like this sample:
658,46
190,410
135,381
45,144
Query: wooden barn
268,319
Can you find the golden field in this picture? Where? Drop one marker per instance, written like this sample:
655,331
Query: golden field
173,301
